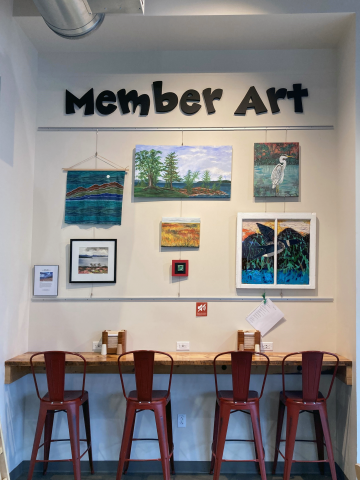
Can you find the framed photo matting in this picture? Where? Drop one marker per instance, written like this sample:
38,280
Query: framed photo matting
46,279
93,261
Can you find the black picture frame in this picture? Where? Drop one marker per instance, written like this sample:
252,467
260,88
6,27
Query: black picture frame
87,240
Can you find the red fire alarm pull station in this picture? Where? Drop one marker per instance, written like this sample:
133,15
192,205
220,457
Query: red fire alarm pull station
201,309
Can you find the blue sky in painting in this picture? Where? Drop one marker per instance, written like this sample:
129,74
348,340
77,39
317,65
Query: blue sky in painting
215,159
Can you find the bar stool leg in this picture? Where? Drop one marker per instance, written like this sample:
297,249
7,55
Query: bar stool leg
224,417
280,422
37,439
215,437
129,421
291,427
160,418
86,412
319,439
256,453
326,430
74,430
49,421
255,419
128,453
170,436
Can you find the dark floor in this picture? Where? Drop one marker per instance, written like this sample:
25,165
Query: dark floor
152,476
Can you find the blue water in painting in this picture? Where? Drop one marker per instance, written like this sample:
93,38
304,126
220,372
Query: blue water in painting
256,277
292,278
263,184
93,211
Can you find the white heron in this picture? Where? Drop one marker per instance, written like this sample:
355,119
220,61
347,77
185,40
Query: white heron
277,175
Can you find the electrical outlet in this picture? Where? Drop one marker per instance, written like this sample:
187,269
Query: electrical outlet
96,346
266,346
181,420
182,346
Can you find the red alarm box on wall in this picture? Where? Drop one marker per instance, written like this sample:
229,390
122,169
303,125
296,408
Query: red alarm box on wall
180,268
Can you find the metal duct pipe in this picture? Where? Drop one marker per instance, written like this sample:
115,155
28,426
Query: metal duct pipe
69,18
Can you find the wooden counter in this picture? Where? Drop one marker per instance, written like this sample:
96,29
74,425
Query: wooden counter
184,362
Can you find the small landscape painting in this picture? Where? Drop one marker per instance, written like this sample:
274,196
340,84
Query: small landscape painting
276,170
164,171
93,260
46,276
180,232
293,254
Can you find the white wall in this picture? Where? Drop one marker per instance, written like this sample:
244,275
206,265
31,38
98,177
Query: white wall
18,73
144,269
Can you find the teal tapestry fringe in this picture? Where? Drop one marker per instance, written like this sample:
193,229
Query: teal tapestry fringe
94,197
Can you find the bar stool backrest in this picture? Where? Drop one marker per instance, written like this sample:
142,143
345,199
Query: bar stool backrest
55,373
144,373
241,370
311,371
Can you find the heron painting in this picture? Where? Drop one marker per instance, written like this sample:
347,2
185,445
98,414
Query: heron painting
276,170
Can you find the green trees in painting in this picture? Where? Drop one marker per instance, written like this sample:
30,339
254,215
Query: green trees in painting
149,166
189,180
206,179
170,170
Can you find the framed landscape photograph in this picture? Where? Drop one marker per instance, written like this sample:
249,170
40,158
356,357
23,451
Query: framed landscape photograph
276,250
93,261
46,279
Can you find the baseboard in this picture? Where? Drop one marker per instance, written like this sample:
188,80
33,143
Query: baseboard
185,467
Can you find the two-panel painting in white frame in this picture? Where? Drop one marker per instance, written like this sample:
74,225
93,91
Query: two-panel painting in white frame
276,250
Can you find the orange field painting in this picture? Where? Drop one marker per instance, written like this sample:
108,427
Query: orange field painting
180,232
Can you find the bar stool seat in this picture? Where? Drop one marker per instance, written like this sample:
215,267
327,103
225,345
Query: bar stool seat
156,395
228,395
69,396
297,395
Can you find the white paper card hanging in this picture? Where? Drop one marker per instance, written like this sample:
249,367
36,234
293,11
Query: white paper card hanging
265,316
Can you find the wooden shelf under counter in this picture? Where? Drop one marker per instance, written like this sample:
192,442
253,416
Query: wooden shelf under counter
184,362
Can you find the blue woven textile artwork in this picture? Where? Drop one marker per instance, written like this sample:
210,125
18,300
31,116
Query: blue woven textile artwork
94,197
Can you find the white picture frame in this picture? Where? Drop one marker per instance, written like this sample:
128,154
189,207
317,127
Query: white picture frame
46,280
241,217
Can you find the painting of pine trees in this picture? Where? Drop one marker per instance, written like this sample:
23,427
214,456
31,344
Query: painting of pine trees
183,172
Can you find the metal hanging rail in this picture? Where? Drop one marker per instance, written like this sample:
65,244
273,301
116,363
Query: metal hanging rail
182,129
181,299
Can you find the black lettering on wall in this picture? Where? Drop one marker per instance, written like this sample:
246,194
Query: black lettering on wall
274,96
109,97
209,98
251,100
132,96
87,100
169,97
190,96
297,95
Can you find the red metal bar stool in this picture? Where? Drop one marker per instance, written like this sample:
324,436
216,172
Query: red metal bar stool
309,399
239,399
60,400
145,398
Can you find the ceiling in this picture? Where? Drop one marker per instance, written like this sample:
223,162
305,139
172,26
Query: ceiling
126,33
